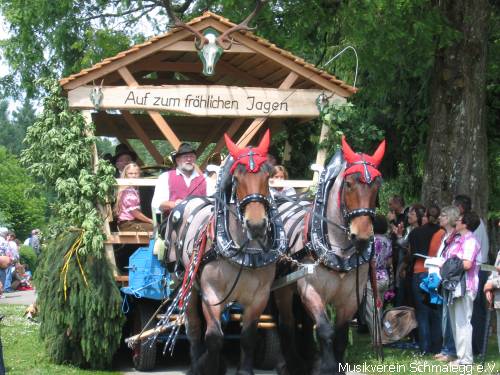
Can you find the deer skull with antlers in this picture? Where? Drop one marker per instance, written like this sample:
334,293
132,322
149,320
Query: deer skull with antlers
210,44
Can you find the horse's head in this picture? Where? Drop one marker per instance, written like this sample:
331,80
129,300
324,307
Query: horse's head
361,181
251,183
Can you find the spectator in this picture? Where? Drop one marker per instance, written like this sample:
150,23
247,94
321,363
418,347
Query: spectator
398,221
12,252
460,303
279,172
492,292
175,185
128,204
123,157
428,319
397,213
5,260
212,172
383,262
35,241
403,275
464,204
440,241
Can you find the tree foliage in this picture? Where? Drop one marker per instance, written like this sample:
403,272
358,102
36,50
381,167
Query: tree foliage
13,127
396,41
17,211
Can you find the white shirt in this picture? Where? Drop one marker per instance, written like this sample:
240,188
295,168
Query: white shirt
162,192
286,191
482,237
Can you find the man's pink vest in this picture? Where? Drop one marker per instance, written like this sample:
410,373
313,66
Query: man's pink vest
179,190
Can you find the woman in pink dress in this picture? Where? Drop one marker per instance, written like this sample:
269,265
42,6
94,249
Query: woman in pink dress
465,247
128,205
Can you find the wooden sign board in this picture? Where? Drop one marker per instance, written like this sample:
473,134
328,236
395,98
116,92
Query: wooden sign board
207,101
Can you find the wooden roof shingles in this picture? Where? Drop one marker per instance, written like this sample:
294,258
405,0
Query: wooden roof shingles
286,54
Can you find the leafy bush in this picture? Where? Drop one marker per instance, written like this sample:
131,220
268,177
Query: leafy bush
28,256
22,212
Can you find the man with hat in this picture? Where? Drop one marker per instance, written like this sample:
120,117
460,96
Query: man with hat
123,157
177,184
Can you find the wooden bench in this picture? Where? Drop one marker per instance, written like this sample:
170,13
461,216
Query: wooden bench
139,238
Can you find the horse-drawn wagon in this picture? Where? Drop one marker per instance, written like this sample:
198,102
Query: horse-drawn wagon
160,90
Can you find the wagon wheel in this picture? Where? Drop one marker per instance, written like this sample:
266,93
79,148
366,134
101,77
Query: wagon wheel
268,349
144,353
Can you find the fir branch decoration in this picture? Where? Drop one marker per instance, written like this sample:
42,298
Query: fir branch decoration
59,152
84,329
80,304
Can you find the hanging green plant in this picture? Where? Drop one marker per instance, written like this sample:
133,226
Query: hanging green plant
345,118
80,304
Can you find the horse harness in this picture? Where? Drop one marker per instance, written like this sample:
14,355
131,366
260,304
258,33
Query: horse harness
315,233
225,246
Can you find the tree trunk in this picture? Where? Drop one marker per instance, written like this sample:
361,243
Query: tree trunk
457,147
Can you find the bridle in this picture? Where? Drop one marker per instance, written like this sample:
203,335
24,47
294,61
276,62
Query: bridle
349,215
254,197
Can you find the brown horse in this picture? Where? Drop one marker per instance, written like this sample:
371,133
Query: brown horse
339,241
239,262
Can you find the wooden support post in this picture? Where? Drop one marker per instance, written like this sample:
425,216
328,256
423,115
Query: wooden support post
256,124
321,155
160,122
141,134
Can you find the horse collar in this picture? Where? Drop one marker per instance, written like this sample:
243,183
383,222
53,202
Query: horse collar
224,244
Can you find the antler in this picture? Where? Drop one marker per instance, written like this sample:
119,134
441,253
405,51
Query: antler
200,39
223,40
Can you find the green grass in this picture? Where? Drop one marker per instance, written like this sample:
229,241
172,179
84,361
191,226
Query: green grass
23,351
409,362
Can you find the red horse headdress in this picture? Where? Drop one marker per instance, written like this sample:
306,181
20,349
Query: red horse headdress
251,157
364,164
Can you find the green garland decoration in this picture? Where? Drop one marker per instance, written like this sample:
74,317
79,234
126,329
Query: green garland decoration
79,301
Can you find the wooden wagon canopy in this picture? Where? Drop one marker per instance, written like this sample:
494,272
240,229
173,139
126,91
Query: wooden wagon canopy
169,60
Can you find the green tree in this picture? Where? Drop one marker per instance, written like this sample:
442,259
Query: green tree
20,209
396,42
13,127
56,38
